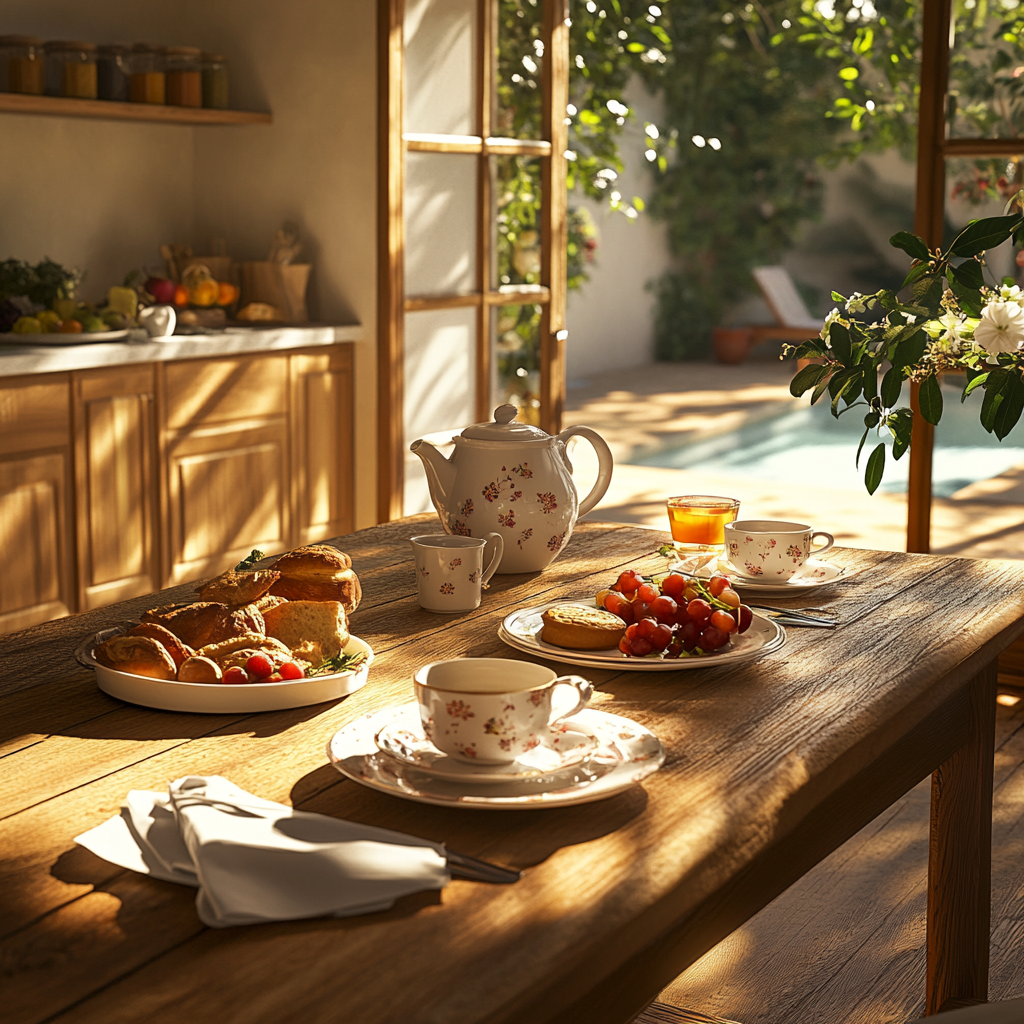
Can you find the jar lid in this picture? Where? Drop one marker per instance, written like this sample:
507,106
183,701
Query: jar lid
70,44
182,51
505,428
20,41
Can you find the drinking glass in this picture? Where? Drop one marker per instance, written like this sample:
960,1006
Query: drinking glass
697,522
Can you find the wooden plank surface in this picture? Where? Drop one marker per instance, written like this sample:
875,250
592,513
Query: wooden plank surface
108,110
753,752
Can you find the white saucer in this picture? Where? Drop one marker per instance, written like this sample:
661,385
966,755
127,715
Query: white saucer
812,574
626,754
569,747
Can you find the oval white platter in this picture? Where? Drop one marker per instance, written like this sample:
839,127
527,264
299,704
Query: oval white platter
84,338
521,630
218,698
627,754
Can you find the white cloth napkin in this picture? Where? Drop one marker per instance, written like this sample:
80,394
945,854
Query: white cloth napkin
256,860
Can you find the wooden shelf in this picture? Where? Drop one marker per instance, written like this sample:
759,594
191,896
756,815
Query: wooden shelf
982,147
59,106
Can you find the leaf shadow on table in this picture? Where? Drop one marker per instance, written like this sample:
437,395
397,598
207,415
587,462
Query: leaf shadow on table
515,839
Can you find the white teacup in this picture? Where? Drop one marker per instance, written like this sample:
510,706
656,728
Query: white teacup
772,549
450,572
493,710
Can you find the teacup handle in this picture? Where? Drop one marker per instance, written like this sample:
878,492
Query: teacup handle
584,691
495,543
829,538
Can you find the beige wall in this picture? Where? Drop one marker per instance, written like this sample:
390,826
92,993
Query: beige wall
103,196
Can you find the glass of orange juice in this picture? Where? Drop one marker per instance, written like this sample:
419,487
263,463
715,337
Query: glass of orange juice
698,523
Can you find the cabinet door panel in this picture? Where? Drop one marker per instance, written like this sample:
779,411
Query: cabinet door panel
216,390
34,583
35,413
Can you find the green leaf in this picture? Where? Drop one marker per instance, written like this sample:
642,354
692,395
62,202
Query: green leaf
929,400
969,273
849,74
836,297
912,245
928,296
916,272
875,468
969,298
899,446
990,407
635,47
639,204
892,385
1010,408
972,385
863,438
807,378
821,388
910,350
984,234
839,337
872,419
810,348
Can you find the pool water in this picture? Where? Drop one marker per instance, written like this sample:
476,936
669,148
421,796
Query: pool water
809,446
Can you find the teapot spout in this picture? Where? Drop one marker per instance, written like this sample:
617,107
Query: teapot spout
440,473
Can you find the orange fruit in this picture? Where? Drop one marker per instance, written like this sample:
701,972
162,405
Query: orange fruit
181,295
70,327
226,293
204,293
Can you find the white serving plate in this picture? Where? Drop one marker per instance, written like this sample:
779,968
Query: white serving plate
627,754
521,630
813,574
62,339
218,698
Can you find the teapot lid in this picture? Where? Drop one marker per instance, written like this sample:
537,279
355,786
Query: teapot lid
504,428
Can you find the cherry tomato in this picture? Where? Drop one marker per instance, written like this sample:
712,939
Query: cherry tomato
712,638
629,581
664,609
646,628
698,610
626,645
640,647
259,665
235,674
289,670
723,621
688,634
746,616
730,597
632,631
717,584
673,585
648,593
662,637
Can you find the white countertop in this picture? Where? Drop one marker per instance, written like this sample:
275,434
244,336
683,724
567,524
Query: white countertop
23,359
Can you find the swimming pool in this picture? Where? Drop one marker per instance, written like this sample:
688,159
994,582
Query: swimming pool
808,446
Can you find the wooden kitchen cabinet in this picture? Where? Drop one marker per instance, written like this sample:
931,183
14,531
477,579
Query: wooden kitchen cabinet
36,512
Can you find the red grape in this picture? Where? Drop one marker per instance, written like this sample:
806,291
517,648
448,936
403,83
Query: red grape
641,647
712,638
235,674
688,635
729,597
612,601
646,628
626,645
662,637
746,616
673,585
664,609
648,593
717,584
632,631
625,611
723,621
629,581
674,649
691,593
698,610
640,610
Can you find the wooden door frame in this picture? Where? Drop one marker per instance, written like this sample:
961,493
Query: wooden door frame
393,304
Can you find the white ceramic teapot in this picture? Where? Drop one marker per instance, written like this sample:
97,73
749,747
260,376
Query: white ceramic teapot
514,480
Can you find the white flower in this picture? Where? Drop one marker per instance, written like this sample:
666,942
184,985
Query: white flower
1011,293
855,303
910,318
949,338
829,320
1001,328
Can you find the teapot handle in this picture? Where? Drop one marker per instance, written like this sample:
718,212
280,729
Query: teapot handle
604,464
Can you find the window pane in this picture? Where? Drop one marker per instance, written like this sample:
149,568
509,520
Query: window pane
520,66
440,385
441,66
517,192
516,334
440,223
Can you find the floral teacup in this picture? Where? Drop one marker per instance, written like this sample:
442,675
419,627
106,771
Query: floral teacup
493,710
771,550
450,572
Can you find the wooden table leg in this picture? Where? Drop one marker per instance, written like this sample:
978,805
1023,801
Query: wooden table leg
960,860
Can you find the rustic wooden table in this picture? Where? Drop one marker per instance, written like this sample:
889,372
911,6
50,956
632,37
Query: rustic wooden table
771,765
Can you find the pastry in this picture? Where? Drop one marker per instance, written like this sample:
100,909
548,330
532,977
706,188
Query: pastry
139,655
317,572
247,641
237,588
581,628
200,670
206,622
178,651
314,630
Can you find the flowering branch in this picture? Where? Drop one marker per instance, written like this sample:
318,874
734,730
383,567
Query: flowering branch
953,321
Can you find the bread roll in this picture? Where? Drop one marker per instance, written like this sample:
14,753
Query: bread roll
317,558
206,622
200,670
238,588
268,601
139,655
241,657
314,630
178,651
251,641
581,628
318,572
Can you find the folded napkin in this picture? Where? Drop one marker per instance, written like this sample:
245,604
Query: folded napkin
256,860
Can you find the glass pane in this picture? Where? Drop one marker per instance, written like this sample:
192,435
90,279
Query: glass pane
441,86
986,72
517,191
440,223
516,334
520,66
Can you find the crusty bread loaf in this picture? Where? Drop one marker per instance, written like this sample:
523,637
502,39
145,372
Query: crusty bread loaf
581,628
206,622
314,630
268,601
318,572
178,651
237,588
139,655
199,670
247,641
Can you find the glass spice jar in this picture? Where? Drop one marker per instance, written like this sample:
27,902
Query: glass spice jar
215,81
112,72
71,69
184,77
147,82
21,64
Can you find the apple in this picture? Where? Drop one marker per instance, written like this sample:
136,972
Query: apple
161,289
